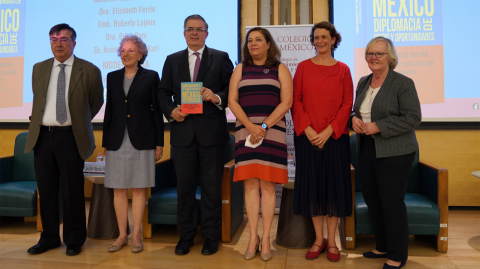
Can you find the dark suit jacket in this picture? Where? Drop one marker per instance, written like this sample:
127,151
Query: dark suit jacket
138,111
85,98
396,110
209,128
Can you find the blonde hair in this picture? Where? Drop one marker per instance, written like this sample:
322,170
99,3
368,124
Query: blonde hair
391,52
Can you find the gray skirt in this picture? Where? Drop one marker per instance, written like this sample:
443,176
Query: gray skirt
128,167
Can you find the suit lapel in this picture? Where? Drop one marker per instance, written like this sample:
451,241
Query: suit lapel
75,76
45,76
118,81
385,85
184,66
207,60
136,80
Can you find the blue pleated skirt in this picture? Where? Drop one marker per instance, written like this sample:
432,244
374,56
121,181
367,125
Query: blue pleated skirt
322,179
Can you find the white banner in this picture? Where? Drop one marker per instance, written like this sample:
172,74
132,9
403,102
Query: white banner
294,43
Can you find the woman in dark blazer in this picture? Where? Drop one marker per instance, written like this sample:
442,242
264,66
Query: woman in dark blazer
132,136
386,112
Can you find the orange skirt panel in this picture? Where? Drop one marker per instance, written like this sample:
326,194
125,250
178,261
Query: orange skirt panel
262,172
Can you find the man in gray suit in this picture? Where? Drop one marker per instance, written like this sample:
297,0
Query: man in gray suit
67,94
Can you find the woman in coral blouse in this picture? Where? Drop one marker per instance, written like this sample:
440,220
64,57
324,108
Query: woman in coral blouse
322,102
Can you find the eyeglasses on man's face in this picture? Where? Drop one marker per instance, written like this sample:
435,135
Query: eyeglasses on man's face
191,30
377,54
62,40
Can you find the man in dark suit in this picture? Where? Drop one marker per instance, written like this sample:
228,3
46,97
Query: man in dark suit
198,140
67,94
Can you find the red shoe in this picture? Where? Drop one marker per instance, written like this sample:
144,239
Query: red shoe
311,255
332,256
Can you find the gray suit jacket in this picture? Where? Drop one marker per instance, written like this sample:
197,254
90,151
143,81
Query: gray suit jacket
396,110
85,98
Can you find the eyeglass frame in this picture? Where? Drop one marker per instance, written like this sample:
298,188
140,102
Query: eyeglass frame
198,30
369,55
62,40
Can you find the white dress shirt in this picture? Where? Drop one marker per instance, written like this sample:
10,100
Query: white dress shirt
366,106
49,114
191,65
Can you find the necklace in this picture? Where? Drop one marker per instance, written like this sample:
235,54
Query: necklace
130,75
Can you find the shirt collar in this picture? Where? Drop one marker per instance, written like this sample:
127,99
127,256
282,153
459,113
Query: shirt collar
69,61
190,51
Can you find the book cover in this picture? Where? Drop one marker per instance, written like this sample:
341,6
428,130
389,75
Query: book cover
191,98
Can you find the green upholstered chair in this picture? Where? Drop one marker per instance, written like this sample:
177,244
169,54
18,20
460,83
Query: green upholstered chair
18,185
162,199
426,200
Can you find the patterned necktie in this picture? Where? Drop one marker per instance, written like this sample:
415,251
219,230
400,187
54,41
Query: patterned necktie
61,105
197,66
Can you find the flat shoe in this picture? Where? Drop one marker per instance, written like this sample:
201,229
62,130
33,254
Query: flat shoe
72,251
210,246
136,249
373,255
39,248
183,246
388,266
312,255
114,248
332,256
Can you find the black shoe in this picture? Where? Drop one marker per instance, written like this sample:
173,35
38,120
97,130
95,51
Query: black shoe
210,247
38,248
388,266
72,251
373,255
183,246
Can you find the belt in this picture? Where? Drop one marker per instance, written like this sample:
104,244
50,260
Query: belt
56,128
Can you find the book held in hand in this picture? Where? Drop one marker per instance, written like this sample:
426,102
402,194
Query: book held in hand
191,98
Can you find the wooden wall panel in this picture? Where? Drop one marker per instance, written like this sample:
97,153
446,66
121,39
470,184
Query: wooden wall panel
459,152
319,10
248,16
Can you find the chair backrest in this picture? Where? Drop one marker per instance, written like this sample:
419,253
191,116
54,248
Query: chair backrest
23,168
413,181
230,149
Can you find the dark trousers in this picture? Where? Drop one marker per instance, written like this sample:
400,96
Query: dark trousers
59,168
384,184
205,164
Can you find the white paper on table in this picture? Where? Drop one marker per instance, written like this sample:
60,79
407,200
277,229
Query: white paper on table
250,145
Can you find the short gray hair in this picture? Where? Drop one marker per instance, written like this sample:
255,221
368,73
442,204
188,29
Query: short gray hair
142,47
195,17
391,52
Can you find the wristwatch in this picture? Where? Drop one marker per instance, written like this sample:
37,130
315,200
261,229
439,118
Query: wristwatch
265,126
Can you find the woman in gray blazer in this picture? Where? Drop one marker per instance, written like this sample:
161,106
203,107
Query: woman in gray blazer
386,112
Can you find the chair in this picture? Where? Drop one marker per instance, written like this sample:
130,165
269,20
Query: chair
426,200
18,184
162,199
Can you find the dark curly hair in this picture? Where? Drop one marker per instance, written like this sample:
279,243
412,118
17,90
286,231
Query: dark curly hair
273,54
329,27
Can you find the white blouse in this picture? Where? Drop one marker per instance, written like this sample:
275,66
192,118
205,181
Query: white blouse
366,106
